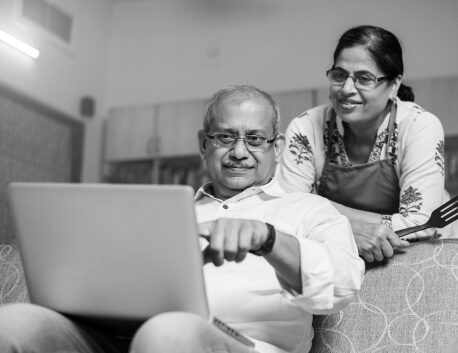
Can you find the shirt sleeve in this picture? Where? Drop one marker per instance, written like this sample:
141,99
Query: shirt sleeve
421,166
332,272
296,171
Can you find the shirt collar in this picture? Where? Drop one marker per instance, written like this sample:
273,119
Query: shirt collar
272,188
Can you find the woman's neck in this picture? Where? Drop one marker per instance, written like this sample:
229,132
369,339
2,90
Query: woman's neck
358,144
359,139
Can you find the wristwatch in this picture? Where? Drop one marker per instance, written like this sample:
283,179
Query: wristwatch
268,244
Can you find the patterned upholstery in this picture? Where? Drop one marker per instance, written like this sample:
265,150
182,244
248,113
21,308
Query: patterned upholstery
12,283
407,304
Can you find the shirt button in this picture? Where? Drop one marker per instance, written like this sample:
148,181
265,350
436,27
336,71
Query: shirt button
225,206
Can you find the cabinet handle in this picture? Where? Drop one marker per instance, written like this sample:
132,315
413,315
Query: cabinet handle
158,144
150,146
153,145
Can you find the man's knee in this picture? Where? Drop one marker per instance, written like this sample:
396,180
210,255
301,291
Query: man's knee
23,323
171,332
13,316
16,321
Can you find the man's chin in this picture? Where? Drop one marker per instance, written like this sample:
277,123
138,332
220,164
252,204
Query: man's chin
237,183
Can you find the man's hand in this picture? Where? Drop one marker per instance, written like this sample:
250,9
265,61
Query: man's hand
376,241
231,239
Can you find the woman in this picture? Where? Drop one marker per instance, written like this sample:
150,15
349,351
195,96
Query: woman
374,153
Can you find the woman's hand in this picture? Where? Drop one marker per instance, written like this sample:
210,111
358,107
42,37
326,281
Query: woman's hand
376,241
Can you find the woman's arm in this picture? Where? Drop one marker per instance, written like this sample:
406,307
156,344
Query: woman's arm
421,166
374,240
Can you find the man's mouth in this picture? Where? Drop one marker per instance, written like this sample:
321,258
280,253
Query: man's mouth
236,166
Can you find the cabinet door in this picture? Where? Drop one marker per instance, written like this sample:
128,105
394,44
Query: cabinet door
322,95
129,134
440,97
291,105
177,127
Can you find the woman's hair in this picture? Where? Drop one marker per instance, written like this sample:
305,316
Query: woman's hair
384,48
238,94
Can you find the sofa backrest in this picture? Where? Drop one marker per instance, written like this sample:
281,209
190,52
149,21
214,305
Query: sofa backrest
406,304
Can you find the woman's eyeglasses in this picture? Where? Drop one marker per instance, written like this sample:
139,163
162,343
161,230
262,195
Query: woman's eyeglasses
361,81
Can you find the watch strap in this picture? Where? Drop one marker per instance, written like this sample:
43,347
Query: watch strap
268,244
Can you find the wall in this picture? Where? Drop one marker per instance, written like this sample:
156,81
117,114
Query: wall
63,73
166,50
171,50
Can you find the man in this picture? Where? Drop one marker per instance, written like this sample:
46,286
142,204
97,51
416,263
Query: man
307,259
272,259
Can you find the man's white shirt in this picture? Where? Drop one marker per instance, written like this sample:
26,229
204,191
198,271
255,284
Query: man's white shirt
249,296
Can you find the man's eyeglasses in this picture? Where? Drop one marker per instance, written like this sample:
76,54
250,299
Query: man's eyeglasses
361,81
253,143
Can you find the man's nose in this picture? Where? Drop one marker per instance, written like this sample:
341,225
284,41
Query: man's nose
239,150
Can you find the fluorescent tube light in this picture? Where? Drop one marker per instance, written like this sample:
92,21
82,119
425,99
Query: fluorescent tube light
20,45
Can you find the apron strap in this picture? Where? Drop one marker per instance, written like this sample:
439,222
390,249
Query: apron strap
324,172
393,115
332,123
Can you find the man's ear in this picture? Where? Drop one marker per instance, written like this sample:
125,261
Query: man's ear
279,146
202,140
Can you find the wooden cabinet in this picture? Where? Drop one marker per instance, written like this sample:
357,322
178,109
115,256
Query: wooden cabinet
292,104
130,134
177,128
440,97
322,95
163,130
154,144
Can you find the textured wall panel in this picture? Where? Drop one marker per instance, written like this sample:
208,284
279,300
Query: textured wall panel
36,144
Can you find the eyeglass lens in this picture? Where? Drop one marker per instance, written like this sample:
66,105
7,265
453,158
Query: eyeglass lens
252,142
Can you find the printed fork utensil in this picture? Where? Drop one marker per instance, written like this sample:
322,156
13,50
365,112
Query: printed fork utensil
441,216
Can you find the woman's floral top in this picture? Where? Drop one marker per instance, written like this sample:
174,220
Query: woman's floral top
417,150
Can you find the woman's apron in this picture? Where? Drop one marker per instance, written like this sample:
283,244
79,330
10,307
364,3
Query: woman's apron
370,187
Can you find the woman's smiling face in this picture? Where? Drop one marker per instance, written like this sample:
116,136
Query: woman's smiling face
356,106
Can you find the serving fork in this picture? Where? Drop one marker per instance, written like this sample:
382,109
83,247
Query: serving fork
441,216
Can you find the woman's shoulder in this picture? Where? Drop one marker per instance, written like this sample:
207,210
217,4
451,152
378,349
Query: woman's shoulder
414,119
411,112
318,112
315,116
309,124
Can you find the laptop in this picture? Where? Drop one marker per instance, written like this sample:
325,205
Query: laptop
109,254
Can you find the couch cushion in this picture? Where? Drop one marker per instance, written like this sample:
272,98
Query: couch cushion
12,282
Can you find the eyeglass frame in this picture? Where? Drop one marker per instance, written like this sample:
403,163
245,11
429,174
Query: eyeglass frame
354,78
248,146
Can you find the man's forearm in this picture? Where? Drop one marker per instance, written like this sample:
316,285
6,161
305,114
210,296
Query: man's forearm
285,259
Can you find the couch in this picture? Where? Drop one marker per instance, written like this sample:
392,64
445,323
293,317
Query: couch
407,304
